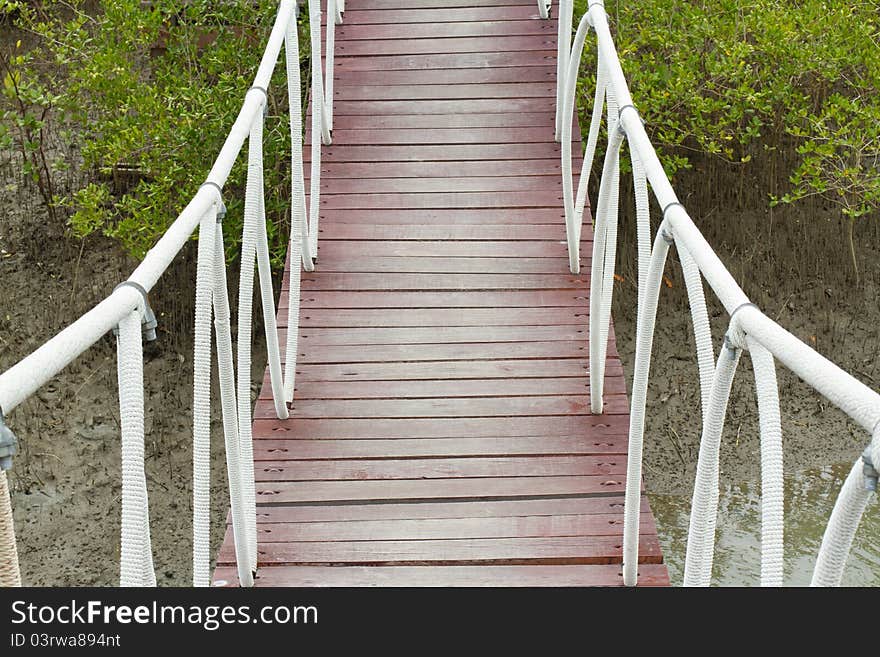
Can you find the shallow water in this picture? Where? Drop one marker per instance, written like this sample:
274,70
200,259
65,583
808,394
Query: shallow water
809,498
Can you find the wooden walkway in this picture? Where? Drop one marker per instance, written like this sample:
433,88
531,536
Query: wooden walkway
441,431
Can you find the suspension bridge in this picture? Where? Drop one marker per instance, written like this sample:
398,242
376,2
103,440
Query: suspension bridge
443,402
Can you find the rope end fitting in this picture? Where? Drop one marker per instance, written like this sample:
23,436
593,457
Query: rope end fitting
149,323
8,444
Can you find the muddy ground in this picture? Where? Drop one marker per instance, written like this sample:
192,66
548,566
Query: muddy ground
66,480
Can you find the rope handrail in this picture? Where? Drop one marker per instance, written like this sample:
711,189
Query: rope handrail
749,328
126,307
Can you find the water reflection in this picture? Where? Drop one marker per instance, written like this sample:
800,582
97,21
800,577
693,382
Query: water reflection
809,498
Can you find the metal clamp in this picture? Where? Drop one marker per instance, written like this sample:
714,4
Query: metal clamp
265,98
149,323
8,444
221,211
868,469
666,209
633,108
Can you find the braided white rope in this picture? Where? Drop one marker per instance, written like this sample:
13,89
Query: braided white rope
202,400
333,17
10,572
319,125
299,252
603,264
643,221
574,208
136,558
700,322
563,53
704,508
841,529
647,312
772,483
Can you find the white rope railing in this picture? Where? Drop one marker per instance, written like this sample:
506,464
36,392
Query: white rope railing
749,328
136,553
126,311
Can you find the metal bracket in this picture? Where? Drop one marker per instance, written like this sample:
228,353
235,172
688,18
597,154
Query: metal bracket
149,323
221,211
265,98
868,469
633,108
8,444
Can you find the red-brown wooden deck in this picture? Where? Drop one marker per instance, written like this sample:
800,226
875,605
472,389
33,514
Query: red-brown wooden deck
441,432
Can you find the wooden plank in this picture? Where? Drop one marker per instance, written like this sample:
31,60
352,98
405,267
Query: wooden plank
439,152
610,504
436,4
466,299
444,92
466,106
481,60
431,576
462,76
354,123
533,368
439,232
455,407
500,551
430,46
312,282
489,30
438,468
267,449
365,317
434,489
331,186
436,389
551,198
391,136
435,335
329,261
547,168
437,352
594,426
449,217
452,528
445,249
359,16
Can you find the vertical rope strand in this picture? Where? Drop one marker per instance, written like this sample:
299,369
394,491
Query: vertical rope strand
226,369
333,17
704,508
841,530
136,559
202,401
644,345
602,266
300,242
299,226
10,572
772,491
318,127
